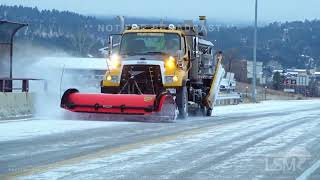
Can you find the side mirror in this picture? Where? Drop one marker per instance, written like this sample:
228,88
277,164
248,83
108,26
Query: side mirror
110,45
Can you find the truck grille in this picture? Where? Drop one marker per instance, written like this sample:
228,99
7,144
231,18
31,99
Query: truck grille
147,77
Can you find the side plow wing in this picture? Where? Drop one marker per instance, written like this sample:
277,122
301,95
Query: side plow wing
215,84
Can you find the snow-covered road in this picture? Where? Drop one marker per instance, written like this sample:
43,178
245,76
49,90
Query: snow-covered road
270,140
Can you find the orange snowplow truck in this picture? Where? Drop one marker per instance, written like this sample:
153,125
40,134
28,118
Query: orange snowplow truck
166,69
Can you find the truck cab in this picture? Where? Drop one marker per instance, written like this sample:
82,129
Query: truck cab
154,60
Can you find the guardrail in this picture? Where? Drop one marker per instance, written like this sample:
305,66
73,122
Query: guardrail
228,99
6,84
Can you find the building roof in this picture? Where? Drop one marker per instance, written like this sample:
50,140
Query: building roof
278,70
296,70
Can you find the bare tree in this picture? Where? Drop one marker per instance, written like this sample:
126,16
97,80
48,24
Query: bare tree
82,41
230,56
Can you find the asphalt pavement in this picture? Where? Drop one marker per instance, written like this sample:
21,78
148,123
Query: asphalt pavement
268,143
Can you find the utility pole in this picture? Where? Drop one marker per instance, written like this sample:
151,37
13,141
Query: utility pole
254,72
265,92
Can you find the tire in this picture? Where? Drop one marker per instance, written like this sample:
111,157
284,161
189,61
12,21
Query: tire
209,112
199,112
182,102
203,111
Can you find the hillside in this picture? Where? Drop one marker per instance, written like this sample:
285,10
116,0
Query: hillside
292,44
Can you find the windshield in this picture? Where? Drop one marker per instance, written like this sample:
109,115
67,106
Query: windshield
148,43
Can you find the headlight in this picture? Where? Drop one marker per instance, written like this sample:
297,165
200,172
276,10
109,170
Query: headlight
114,79
175,78
114,61
109,78
170,63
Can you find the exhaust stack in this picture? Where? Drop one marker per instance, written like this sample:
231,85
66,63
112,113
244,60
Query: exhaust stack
203,26
121,23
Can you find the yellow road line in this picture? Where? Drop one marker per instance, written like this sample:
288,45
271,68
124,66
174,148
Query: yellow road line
105,153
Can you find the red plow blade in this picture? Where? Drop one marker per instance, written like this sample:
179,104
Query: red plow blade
127,104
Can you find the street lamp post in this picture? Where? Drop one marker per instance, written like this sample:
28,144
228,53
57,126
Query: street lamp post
247,91
254,73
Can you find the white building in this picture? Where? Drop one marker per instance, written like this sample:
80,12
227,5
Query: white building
259,71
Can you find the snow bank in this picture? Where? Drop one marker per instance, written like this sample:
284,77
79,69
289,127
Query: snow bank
16,105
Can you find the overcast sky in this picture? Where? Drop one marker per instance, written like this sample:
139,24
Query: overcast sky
221,10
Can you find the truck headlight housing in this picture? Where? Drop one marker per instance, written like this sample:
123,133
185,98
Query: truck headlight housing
170,63
171,79
114,61
113,79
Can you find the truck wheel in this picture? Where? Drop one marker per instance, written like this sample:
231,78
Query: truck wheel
203,111
182,102
209,112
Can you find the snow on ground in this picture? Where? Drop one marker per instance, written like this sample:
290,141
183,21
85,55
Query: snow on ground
34,127
265,106
282,145
203,148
